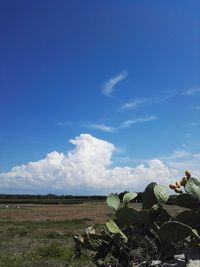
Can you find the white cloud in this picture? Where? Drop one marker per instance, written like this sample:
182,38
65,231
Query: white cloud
191,92
108,128
188,135
109,87
128,123
134,104
191,124
177,154
101,127
124,124
66,123
183,160
196,107
87,166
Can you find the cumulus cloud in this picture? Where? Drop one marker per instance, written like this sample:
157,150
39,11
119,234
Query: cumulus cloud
87,167
109,87
183,160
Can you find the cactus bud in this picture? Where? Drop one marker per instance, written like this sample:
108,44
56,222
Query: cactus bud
172,186
183,181
178,184
187,174
177,190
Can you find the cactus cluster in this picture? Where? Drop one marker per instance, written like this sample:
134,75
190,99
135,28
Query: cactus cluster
141,236
177,185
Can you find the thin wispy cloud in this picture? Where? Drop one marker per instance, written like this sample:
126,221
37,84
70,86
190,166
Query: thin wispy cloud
109,87
65,124
138,103
108,128
191,92
191,124
188,135
176,154
124,124
97,126
128,123
101,127
195,107
183,160
135,104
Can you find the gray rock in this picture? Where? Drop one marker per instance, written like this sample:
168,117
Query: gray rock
193,263
174,263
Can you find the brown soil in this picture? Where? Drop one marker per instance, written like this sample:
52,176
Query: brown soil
96,212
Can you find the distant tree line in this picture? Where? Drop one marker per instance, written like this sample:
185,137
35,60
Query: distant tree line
58,199
50,196
66,199
53,196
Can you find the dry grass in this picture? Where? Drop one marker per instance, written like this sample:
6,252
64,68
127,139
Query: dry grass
41,235
97,212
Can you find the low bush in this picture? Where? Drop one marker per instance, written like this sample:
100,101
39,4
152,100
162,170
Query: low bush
138,238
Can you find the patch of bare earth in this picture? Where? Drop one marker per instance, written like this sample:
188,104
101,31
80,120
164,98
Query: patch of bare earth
97,213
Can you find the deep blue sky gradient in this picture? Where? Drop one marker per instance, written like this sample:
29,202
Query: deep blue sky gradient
55,57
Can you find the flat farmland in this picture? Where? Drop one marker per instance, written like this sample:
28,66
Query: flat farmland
41,235
96,212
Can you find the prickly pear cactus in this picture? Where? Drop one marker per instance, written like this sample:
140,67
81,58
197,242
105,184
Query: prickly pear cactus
113,201
187,201
149,198
114,229
190,217
161,194
128,197
138,237
174,231
126,216
193,188
154,194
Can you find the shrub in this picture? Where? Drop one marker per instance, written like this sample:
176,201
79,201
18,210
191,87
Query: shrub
140,237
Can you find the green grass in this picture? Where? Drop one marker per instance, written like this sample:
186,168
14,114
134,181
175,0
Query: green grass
40,244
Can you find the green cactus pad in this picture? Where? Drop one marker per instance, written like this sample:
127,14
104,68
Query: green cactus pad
189,217
196,234
149,198
174,231
161,193
187,201
128,197
193,188
162,215
113,201
155,207
145,217
127,216
114,229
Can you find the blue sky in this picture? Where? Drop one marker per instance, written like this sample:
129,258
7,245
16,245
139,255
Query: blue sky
126,72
